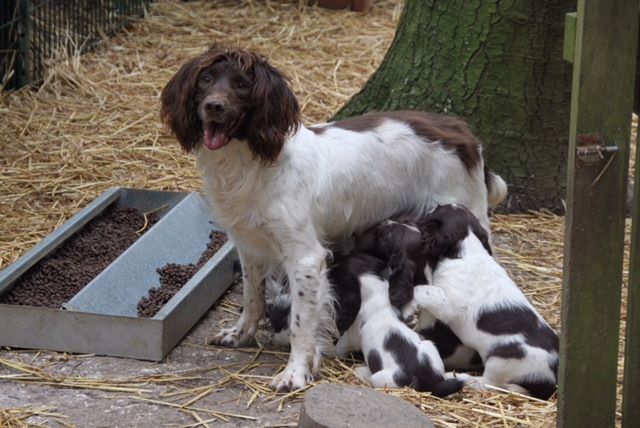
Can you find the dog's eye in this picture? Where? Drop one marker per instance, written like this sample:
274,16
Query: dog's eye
243,84
206,78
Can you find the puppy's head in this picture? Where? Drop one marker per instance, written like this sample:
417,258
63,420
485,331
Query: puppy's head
279,312
344,277
445,228
390,237
230,94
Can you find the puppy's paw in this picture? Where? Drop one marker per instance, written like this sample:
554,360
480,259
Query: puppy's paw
234,337
429,297
291,379
363,373
476,383
410,314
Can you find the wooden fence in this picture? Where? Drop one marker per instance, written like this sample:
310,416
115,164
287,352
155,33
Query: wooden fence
601,41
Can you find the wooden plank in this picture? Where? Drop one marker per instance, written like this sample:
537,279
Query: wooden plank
631,393
602,101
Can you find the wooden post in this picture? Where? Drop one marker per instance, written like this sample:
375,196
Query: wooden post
23,60
601,105
631,393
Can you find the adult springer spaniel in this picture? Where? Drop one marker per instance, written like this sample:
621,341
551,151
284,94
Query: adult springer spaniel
284,191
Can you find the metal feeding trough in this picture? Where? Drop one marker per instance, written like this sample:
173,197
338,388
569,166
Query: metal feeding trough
102,318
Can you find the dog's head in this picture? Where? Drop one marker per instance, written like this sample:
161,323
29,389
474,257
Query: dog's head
445,228
226,94
389,237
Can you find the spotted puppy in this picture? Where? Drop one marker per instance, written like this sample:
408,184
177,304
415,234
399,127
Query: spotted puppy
396,355
474,296
400,244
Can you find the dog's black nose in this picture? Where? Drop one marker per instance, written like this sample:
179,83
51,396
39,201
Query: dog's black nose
214,106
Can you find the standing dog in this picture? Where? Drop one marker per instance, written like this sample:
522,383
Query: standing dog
283,191
474,296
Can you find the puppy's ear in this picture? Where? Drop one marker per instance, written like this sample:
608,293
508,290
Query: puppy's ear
429,229
366,241
275,112
482,234
178,109
401,279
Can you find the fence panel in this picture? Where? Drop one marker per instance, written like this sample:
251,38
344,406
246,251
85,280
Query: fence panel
34,32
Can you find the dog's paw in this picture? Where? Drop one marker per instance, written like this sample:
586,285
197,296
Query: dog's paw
233,337
472,382
363,373
429,297
411,321
410,313
291,379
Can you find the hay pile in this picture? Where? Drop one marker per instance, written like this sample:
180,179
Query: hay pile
94,124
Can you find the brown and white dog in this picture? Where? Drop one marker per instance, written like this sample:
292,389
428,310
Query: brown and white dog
284,191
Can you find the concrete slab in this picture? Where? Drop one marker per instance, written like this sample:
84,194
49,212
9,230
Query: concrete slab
342,406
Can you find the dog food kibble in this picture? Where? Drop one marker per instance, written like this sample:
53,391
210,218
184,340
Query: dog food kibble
55,279
174,276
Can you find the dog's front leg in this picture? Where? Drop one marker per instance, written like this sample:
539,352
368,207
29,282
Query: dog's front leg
253,305
434,300
310,302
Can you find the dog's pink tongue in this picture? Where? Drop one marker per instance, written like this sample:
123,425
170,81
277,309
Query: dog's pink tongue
214,138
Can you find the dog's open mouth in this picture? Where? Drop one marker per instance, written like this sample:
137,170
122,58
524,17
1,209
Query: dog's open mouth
217,135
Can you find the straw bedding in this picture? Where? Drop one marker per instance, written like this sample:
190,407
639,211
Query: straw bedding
94,124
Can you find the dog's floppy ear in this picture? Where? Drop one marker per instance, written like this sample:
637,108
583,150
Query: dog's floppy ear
178,106
367,241
429,229
275,112
401,280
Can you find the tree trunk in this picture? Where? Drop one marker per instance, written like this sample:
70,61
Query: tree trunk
497,65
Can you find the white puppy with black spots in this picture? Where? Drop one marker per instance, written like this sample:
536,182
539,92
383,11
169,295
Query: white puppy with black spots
396,355
475,297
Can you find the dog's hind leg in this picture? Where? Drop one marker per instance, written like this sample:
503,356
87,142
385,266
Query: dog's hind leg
253,305
363,373
383,378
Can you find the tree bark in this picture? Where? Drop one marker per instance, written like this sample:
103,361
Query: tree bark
496,64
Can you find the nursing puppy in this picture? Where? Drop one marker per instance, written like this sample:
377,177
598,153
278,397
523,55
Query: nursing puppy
396,356
400,244
474,296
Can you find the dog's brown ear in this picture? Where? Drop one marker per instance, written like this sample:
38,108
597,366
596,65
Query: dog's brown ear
178,109
401,279
275,114
481,233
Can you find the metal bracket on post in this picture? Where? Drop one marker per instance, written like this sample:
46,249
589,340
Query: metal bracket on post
591,149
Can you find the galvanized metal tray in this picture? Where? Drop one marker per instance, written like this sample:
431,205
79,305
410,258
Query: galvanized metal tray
102,318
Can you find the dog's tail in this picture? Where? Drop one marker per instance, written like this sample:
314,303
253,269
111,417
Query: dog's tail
429,380
446,387
496,188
